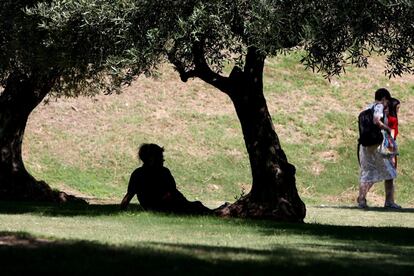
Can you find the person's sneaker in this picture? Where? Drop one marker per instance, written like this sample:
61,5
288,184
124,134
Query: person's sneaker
392,205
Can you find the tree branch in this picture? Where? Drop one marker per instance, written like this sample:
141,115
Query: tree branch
201,70
205,73
179,66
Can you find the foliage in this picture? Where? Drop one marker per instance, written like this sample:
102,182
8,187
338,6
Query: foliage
104,44
343,32
100,44
75,46
17,32
333,33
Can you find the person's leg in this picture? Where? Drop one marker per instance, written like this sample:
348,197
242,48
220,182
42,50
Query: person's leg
182,205
389,194
389,190
363,190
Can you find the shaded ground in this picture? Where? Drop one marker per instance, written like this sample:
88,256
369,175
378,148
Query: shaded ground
317,249
21,253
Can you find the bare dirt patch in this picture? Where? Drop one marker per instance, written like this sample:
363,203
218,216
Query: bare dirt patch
330,155
317,168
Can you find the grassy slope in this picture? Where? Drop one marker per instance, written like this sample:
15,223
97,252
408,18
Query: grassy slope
88,146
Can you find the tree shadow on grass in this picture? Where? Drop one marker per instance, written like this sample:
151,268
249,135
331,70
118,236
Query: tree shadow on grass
20,252
385,235
389,236
317,249
73,209
67,209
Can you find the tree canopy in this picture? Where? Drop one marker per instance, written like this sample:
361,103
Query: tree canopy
86,46
332,33
74,47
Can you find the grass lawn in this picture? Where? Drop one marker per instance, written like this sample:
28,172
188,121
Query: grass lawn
87,147
100,239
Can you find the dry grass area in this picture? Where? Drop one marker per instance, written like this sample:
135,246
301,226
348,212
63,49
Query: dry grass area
314,119
105,131
158,101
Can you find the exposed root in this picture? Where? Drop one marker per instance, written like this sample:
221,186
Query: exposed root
245,207
37,191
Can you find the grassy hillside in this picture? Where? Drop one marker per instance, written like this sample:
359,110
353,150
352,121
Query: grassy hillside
87,146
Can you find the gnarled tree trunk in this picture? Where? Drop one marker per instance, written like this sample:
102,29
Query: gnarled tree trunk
20,96
273,194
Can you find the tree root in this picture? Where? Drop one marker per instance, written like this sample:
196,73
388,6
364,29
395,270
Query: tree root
34,190
245,207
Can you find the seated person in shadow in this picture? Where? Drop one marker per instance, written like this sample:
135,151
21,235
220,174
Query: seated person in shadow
155,186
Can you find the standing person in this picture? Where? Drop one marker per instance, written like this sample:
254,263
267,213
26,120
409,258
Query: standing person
155,186
392,116
374,167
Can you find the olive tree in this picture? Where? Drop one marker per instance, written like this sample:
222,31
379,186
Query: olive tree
201,38
74,59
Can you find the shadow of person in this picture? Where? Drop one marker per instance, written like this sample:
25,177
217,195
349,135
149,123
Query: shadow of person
155,186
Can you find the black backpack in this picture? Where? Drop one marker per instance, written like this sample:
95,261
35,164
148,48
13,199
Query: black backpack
369,133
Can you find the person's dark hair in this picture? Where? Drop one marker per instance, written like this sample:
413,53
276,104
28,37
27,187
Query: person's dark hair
147,150
392,107
381,93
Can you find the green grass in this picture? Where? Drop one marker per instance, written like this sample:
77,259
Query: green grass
100,239
88,146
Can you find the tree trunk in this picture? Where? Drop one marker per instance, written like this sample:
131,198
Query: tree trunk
20,96
273,193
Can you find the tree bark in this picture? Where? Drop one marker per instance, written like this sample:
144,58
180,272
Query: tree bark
273,194
19,98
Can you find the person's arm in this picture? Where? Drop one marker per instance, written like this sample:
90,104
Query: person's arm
381,125
378,115
125,201
130,192
393,133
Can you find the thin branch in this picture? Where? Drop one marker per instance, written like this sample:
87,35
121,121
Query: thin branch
201,70
179,66
205,73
